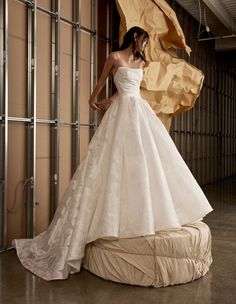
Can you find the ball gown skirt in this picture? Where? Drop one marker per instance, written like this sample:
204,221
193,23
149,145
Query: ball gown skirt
132,182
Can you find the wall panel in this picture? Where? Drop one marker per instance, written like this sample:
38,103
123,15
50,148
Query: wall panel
42,207
52,50
16,208
65,72
17,59
64,159
43,65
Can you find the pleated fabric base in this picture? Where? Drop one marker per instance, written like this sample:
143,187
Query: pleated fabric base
166,258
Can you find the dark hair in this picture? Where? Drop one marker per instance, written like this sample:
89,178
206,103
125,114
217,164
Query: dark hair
129,39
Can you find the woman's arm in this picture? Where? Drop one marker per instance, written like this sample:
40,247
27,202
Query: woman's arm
107,101
108,66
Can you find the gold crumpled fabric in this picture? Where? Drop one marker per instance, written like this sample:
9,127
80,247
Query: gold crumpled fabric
170,84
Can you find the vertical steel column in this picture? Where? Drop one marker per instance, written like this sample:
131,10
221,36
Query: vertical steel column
55,107
194,121
227,120
213,125
3,121
229,125
202,123
76,38
198,124
223,123
107,43
207,132
31,127
217,122
234,123
226,123
93,60
233,126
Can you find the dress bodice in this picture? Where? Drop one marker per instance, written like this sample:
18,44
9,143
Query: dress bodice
127,80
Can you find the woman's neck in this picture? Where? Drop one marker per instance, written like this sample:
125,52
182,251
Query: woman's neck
129,54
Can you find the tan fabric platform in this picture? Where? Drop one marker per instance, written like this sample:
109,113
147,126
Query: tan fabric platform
166,258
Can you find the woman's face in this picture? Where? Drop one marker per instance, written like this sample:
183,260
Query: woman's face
141,43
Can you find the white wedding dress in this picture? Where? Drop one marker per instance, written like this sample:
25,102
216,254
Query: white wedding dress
132,182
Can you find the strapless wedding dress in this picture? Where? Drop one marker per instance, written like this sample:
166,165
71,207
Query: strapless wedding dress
132,182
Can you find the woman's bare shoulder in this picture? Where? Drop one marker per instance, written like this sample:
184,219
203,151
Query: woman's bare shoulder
115,55
115,58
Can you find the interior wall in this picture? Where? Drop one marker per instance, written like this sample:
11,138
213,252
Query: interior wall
17,94
205,135
18,102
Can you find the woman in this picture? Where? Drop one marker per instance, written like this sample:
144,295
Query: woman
132,181
131,54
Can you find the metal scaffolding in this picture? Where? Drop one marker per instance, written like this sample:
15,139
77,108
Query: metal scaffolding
3,120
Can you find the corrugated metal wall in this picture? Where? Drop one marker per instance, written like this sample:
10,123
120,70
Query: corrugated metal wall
206,135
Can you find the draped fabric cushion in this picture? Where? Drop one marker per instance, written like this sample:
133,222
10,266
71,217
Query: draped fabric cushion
167,258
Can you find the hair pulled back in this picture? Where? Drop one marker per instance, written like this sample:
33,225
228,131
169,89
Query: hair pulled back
129,39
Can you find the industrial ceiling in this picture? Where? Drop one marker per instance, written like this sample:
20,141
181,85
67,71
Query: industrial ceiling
218,19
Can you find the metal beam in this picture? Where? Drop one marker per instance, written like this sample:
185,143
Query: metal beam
31,128
76,42
4,123
107,44
55,107
217,38
93,60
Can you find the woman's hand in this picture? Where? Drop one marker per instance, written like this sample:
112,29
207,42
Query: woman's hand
93,105
103,104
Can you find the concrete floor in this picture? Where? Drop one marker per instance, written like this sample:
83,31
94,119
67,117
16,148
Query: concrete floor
18,285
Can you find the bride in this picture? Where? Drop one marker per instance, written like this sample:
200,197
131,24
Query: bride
130,55
132,181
